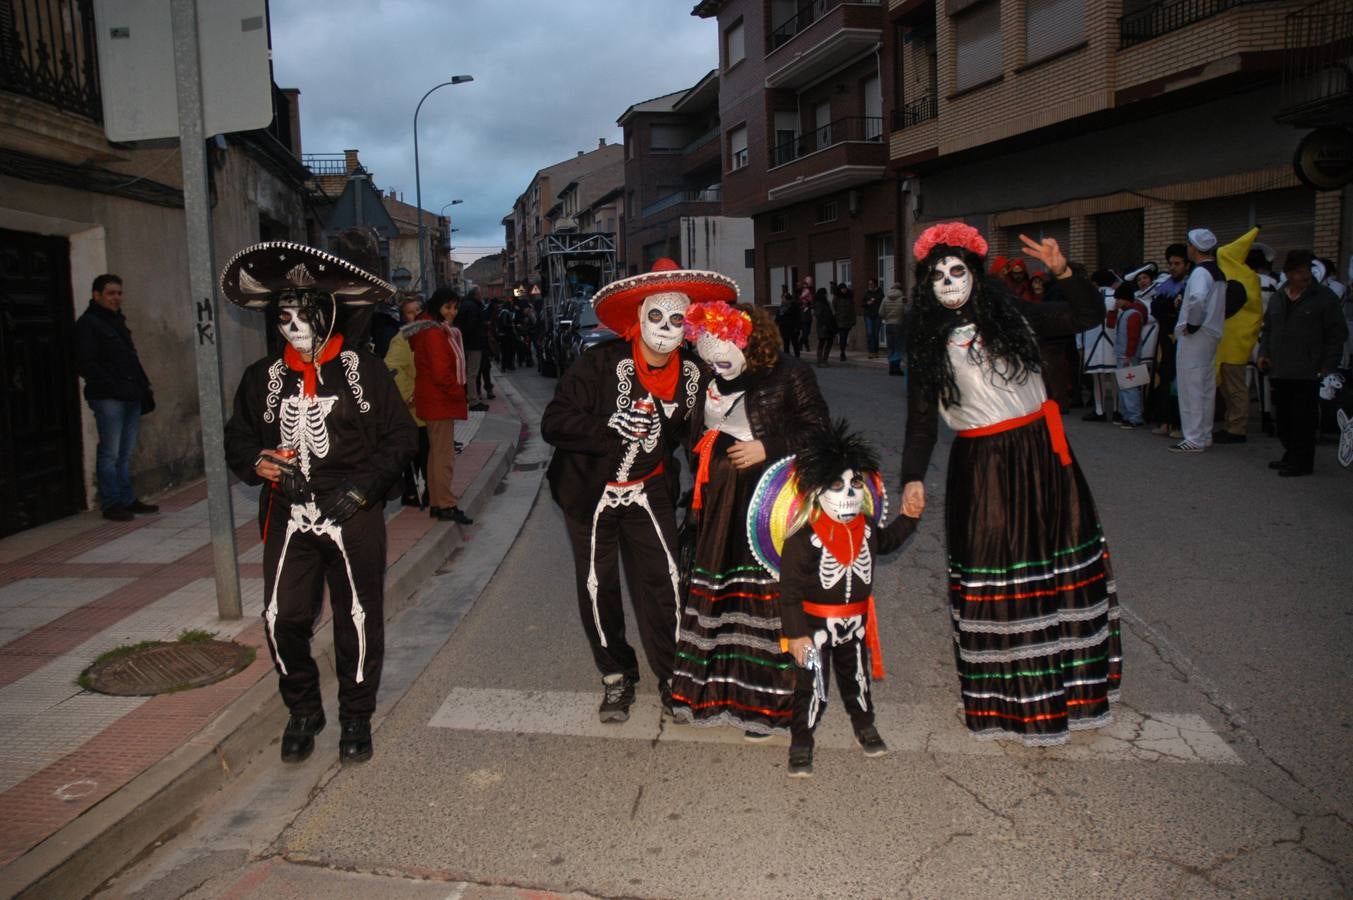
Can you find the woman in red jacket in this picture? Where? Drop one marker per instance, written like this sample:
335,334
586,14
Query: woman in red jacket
439,399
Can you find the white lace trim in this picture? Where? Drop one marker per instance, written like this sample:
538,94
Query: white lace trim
684,715
733,640
978,626
718,585
1048,649
771,624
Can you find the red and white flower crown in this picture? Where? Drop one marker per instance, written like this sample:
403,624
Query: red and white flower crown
719,320
949,234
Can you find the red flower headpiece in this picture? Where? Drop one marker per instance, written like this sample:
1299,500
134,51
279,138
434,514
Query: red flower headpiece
720,320
949,234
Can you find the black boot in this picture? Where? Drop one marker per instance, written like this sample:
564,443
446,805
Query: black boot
298,739
354,741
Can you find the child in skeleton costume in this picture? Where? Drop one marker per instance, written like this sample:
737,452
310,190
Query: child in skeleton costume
816,520
617,417
1031,592
761,405
324,429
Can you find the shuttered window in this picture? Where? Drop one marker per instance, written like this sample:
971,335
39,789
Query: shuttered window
1286,218
737,147
666,138
734,45
1051,26
977,45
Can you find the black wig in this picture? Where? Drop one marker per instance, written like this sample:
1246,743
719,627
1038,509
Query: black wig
831,452
1003,332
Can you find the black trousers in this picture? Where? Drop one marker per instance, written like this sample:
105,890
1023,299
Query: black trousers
626,533
298,561
419,466
825,339
1296,404
848,655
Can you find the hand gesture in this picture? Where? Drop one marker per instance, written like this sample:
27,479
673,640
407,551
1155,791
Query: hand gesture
268,466
745,454
1047,252
913,499
798,647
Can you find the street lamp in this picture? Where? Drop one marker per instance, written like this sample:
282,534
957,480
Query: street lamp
452,203
417,180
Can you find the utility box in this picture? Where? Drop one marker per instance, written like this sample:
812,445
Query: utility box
136,67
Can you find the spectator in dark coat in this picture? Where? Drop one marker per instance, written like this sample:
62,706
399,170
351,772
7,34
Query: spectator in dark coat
470,321
843,308
1302,341
117,390
825,320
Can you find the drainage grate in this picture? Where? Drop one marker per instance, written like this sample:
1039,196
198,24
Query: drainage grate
159,668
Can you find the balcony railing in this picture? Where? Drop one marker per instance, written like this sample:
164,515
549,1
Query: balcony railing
48,52
325,163
807,15
858,128
1165,16
1317,81
709,195
915,112
701,141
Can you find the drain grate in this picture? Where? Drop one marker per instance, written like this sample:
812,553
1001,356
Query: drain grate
158,668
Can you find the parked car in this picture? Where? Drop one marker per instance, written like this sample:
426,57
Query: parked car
588,330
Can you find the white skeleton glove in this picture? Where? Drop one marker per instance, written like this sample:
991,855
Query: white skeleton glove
638,423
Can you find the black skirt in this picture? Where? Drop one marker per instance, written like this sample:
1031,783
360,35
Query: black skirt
1031,590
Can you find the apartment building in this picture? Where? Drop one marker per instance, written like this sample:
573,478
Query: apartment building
1112,126
803,144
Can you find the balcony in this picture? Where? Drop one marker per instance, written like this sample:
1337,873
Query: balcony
680,198
325,164
48,52
1165,16
821,37
704,152
922,109
842,154
1317,80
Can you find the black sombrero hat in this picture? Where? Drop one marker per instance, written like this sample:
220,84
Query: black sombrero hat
257,274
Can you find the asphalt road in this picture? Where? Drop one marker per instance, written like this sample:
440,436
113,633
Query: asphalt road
1227,772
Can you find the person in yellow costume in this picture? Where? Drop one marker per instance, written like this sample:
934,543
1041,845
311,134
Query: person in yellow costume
1244,316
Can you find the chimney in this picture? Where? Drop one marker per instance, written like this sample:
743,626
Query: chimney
580,153
350,162
601,142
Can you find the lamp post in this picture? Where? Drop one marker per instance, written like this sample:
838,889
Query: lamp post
445,205
417,180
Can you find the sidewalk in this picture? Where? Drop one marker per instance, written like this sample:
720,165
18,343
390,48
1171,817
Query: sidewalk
77,588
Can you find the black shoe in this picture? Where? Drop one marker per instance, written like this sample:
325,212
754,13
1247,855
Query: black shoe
1092,417
118,514
756,737
1293,472
618,697
491,396
1226,437
480,407
1278,464
452,514
137,506
665,698
870,742
843,357
800,762
298,739
1117,417
435,512
354,741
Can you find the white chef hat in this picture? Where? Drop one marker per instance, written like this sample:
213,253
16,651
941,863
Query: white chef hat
1203,239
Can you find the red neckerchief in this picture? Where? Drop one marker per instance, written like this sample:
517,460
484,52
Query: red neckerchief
661,383
842,541
307,369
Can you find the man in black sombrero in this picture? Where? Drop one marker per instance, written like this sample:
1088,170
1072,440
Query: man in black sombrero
616,419
323,428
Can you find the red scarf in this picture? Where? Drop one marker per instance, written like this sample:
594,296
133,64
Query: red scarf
843,541
308,369
661,383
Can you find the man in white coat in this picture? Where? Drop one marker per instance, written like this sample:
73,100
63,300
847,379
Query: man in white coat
1202,312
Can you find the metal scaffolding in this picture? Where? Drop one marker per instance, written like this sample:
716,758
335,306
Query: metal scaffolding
564,251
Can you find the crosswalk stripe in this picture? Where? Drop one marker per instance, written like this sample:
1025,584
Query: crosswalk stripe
907,727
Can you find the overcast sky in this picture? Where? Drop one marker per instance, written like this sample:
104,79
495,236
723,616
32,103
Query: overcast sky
550,79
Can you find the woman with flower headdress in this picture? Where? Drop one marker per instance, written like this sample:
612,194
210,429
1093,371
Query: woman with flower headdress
760,406
1031,590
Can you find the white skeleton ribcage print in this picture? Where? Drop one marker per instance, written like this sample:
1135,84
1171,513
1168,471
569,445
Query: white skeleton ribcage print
301,420
830,571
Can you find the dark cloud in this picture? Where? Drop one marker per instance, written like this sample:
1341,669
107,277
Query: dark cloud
550,79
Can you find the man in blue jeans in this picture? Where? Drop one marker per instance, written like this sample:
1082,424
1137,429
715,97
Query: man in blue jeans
117,390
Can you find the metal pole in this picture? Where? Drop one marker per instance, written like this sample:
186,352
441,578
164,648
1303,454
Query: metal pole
417,180
202,283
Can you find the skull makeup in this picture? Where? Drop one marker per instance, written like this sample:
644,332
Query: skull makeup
661,319
303,322
844,499
724,357
952,282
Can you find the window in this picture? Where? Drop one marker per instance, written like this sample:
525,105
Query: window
737,147
826,212
779,222
977,46
786,136
887,275
1051,26
734,49
666,138
749,258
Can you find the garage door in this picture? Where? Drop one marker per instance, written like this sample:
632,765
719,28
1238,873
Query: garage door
1286,218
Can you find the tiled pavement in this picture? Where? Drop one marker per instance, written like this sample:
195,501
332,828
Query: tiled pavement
77,588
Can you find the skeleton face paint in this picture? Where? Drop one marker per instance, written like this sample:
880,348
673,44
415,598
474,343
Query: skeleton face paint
293,323
845,498
951,281
724,357
661,319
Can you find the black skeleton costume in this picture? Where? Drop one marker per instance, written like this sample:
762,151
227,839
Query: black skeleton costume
350,436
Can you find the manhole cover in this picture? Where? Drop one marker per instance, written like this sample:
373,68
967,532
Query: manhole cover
158,668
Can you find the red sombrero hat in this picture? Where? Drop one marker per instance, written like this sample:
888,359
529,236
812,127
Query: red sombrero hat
618,303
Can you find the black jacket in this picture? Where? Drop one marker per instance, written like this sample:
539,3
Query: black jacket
470,321
784,407
1303,338
587,450
106,357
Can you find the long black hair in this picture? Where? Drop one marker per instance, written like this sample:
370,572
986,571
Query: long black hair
1003,332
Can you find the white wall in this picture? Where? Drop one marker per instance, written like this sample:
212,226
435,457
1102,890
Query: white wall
720,244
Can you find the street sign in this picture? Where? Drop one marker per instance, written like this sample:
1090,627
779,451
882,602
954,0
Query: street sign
136,67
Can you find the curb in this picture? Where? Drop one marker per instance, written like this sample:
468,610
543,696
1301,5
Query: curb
102,841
